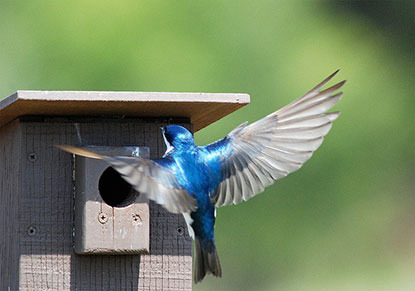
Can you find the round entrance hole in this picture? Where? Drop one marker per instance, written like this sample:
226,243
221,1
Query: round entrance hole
114,190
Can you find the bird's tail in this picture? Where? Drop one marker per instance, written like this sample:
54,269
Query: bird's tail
205,262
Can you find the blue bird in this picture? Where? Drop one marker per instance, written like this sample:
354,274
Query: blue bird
195,180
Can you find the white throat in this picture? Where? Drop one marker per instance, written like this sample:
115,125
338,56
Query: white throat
168,146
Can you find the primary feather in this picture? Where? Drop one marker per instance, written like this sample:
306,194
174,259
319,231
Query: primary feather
274,146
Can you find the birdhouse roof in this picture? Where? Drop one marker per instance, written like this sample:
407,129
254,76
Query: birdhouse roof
201,108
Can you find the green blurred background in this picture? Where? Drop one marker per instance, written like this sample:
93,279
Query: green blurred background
346,221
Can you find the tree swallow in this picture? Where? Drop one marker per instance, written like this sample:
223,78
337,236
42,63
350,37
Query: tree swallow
195,180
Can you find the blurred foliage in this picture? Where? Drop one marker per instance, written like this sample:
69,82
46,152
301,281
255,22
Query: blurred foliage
343,222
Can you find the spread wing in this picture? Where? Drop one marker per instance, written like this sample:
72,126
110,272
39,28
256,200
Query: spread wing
269,149
148,177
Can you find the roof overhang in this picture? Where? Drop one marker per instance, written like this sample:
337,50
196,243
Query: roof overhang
201,108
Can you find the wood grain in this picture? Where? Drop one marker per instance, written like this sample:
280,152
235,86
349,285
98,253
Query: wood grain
201,108
37,215
10,181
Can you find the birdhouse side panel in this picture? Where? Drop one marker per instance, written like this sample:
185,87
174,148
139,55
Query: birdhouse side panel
10,178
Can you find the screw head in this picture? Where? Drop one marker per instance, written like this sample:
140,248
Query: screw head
137,219
32,157
102,217
31,231
180,230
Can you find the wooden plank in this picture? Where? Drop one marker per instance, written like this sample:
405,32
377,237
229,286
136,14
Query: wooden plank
9,207
117,233
201,108
47,260
46,204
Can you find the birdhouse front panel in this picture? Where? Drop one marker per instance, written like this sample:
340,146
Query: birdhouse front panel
45,212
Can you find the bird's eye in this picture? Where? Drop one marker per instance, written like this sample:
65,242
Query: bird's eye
167,135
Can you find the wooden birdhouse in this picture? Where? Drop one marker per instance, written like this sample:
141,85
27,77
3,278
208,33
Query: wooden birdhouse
71,223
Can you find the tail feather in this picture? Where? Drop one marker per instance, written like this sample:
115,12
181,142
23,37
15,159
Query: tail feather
205,262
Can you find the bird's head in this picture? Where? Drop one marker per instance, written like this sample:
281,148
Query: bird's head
177,137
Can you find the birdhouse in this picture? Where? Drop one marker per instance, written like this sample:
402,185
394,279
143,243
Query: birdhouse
71,223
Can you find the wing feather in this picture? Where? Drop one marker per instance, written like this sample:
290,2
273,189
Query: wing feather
275,146
151,179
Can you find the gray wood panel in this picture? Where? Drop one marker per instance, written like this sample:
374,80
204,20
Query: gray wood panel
47,260
9,206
